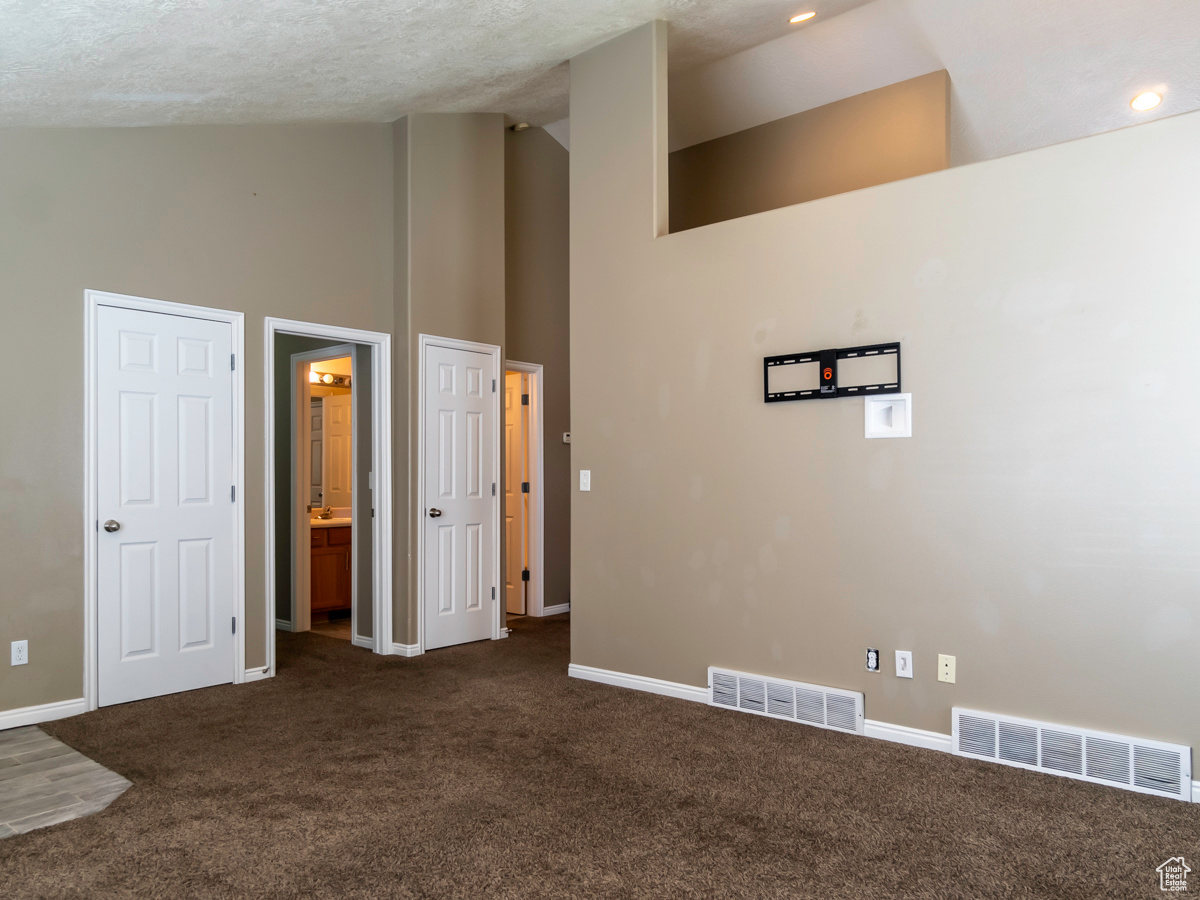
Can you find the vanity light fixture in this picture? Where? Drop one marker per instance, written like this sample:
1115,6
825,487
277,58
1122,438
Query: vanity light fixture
1146,101
326,378
803,17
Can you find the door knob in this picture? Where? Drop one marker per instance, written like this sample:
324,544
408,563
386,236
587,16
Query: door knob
433,513
112,525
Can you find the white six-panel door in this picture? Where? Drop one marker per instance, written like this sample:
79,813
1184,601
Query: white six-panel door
460,508
516,474
166,564
337,442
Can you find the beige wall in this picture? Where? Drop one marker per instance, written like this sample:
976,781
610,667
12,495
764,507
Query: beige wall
884,135
455,259
537,310
282,221
1040,524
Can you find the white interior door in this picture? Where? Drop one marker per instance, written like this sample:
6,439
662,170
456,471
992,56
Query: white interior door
338,458
166,597
316,491
516,475
460,508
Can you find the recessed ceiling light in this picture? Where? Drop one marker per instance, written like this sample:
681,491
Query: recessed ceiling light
803,17
1146,100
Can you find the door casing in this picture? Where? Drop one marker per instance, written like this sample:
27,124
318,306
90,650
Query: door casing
93,300
425,341
381,456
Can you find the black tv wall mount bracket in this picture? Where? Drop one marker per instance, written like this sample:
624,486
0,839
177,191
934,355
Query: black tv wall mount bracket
827,373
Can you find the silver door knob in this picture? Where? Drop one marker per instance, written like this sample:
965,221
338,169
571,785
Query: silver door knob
112,525
434,513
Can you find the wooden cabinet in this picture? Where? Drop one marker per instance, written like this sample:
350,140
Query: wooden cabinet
331,568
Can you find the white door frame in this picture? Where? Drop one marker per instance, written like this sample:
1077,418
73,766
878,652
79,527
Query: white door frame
301,615
92,301
424,342
535,599
381,437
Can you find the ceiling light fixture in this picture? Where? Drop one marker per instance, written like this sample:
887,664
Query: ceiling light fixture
1146,101
803,17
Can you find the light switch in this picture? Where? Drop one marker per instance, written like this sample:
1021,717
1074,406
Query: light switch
585,479
904,664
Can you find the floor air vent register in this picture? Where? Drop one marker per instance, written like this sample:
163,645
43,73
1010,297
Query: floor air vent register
795,701
1148,767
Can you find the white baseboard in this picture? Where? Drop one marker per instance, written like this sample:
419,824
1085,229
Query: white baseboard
556,610
902,734
639,683
46,712
406,649
256,675
1196,791
283,625
365,643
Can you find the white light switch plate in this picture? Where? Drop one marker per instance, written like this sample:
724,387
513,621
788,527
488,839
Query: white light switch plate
904,664
585,479
20,653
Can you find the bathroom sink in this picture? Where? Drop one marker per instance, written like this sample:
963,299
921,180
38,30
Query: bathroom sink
330,523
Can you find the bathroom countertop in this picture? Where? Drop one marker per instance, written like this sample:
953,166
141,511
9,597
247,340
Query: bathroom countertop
330,523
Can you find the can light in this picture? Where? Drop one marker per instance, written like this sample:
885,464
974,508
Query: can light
803,17
1146,100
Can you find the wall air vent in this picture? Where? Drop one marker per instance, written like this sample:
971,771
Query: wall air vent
791,700
1148,767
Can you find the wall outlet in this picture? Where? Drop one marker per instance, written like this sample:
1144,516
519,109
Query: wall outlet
945,668
566,437
585,479
872,659
904,664
20,653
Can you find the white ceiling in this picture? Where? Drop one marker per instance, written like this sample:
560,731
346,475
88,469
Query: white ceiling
1025,73
148,62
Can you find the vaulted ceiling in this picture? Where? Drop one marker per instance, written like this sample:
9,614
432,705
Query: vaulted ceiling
1026,73
143,62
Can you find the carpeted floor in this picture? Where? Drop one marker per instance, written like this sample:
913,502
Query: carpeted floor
483,771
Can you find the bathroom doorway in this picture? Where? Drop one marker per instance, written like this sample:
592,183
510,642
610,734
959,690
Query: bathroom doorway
330,458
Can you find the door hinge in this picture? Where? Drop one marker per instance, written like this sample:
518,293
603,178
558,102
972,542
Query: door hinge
235,624
493,593
493,385
233,493
372,514
524,399
524,487
493,489
524,574
232,363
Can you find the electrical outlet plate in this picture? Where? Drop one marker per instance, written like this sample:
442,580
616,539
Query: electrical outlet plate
585,479
20,653
566,437
945,668
904,664
872,659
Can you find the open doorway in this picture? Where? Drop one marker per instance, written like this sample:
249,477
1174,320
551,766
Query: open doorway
329,453
324,443
524,586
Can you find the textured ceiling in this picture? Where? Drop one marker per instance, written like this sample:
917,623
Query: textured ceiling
153,62
1025,73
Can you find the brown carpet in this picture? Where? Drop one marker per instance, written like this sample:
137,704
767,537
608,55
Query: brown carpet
483,771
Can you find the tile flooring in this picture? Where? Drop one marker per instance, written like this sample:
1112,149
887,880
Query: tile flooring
44,782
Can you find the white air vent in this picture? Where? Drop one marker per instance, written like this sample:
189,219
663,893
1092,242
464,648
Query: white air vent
791,700
1149,767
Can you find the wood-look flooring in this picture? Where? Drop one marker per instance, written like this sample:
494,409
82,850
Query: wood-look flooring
44,782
